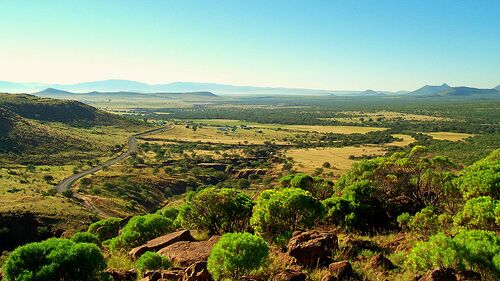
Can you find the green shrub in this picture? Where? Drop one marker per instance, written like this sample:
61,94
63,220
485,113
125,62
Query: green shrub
404,182
479,213
217,210
105,229
403,220
237,254
85,237
169,212
357,208
55,259
469,249
140,229
151,261
319,188
278,213
481,178
425,222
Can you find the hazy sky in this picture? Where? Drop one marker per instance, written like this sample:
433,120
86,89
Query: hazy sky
350,44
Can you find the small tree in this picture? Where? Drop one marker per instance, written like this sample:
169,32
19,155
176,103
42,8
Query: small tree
55,259
85,237
479,213
278,213
48,178
469,249
237,254
105,229
140,229
151,261
218,210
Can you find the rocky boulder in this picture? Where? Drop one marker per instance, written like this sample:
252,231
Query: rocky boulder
122,275
439,274
312,248
197,272
468,275
161,242
289,275
341,270
173,274
186,253
380,261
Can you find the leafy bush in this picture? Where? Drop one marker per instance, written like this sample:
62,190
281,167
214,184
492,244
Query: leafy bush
482,178
278,213
479,213
357,208
151,261
237,254
425,222
85,237
403,220
140,229
218,210
55,259
169,212
105,229
405,182
319,188
469,249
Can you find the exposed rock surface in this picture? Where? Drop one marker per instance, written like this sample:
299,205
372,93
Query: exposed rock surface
468,275
245,173
380,261
341,270
312,248
122,275
161,242
186,253
289,275
174,274
439,274
197,272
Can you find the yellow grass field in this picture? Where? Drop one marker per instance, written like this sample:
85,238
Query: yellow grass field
214,135
449,136
299,128
406,140
391,115
307,160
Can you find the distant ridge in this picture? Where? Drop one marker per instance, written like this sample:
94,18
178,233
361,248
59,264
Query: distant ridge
430,90
51,92
135,88
371,93
446,91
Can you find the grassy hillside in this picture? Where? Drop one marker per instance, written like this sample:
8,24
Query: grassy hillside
38,131
65,111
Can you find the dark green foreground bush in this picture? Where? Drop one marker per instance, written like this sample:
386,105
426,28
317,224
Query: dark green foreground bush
55,259
237,254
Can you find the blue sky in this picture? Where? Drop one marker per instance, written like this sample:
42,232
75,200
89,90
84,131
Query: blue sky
349,44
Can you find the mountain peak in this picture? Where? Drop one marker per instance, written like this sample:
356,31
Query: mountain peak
54,91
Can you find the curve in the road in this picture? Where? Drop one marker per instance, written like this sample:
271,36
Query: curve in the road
66,183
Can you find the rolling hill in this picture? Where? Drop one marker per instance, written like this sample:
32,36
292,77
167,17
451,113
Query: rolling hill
19,135
52,92
66,111
445,90
371,93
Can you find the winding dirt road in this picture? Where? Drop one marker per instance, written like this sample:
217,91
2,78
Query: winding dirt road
66,183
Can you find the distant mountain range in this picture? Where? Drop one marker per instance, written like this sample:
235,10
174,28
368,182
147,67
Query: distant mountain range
446,91
138,89
52,92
